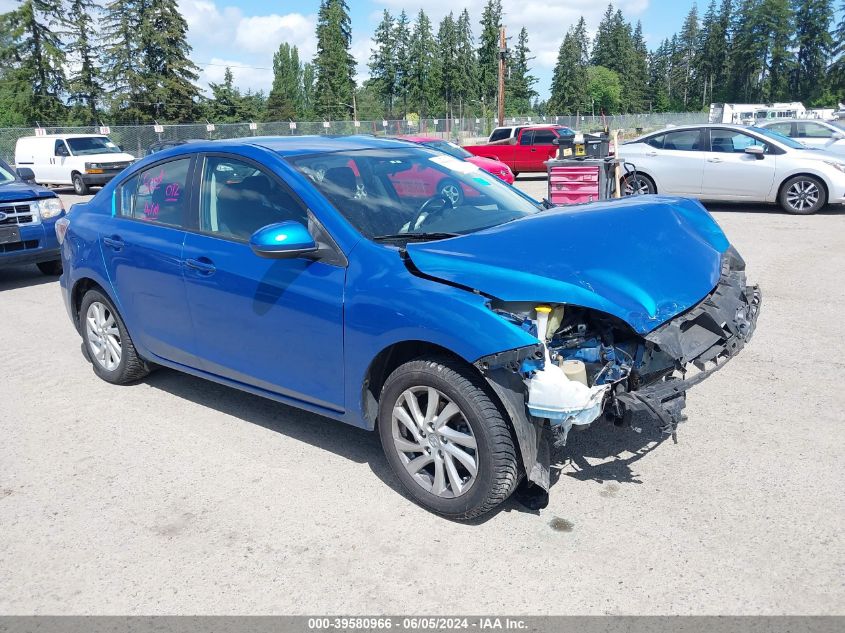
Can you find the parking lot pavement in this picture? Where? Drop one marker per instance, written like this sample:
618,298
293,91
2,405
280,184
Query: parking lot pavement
179,496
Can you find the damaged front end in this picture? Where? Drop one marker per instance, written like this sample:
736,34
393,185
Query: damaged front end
588,364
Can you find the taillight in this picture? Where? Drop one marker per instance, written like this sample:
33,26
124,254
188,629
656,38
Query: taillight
62,225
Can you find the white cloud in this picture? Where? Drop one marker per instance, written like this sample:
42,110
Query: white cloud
264,33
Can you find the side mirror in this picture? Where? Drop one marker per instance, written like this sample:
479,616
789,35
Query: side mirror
282,241
756,151
26,174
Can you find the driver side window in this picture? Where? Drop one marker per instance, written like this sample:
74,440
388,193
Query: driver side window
61,149
237,199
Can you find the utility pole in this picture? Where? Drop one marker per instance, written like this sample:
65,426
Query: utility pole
503,51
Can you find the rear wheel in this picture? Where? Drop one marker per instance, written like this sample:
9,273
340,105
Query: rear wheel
637,184
445,439
802,195
79,186
107,343
51,269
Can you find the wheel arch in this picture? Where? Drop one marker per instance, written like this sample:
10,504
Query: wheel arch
645,175
807,174
80,287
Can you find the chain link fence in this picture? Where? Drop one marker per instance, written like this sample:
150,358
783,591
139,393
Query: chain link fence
136,139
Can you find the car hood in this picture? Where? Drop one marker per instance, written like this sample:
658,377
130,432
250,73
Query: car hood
487,164
20,191
642,259
109,157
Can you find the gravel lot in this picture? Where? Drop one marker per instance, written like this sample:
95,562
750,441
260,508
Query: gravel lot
179,496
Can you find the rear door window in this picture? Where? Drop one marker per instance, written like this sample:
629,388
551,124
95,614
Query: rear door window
683,140
813,130
784,128
500,134
158,194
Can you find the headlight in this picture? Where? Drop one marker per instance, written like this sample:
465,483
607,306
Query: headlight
50,208
93,168
836,165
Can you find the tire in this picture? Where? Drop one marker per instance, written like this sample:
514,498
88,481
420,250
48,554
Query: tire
79,186
129,367
802,195
51,269
456,493
452,190
515,174
638,184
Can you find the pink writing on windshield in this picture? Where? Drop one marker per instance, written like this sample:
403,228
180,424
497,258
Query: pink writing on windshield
151,210
172,192
153,182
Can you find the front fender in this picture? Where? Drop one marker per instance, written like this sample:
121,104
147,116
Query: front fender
387,304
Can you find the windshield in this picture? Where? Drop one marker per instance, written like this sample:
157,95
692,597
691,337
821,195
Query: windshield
449,148
390,193
6,173
87,145
785,140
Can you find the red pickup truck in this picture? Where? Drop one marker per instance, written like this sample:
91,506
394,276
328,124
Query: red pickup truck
527,150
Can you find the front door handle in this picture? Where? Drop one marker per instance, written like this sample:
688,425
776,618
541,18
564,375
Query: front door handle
114,242
714,160
202,265
651,154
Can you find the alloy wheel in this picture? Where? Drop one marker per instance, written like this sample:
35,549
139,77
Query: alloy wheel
435,442
637,186
452,192
802,195
103,336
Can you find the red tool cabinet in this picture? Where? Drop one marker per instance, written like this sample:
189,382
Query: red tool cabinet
574,184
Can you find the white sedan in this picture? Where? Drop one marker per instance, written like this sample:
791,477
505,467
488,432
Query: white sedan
735,163
826,135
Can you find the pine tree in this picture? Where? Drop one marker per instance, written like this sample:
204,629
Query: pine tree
466,89
837,69
778,19
569,80
815,45
520,81
33,58
711,67
637,75
122,59
402,37
168,72
749,48
286,100
658,82
488,51
424,79
225,103
334,64
383,67
688,41
614,49
85,83
447,53
309,81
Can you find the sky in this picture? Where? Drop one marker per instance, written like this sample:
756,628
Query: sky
244,34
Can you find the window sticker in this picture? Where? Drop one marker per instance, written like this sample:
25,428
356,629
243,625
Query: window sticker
172,192
453,164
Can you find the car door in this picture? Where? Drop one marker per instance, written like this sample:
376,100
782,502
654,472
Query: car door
732,174
541,149
276,324
676,161
142,250
56,172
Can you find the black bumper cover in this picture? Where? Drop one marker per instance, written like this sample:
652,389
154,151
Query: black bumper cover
705,337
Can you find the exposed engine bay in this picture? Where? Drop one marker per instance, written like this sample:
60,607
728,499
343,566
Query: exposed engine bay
589,364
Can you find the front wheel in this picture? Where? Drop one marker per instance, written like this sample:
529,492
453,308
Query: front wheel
802,195
51,269
79,186
107,343
445,439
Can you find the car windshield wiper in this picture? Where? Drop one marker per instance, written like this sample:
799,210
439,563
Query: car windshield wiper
414,236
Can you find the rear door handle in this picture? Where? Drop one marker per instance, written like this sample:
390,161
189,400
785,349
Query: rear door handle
114,242
714,160
202,265
652,154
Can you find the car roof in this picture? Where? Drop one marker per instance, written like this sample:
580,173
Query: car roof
298,145
419,139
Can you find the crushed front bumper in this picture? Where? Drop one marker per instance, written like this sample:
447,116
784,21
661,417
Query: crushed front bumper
701,341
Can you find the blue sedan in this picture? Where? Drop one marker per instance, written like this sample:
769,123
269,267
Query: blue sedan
323,273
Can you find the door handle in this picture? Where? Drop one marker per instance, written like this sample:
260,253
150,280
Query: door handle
202,265
714,160
652,154
114,242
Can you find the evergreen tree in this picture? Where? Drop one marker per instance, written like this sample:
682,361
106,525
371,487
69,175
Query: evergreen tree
309,86
225,104
713,46
488,51
168,72
402,37
659,71
424,79
85,83
447,53
121,59
637,75
569,80
838,67
286,100
688,42
520,82
778,19
614,49
334,65
33,58
466,88
383,67
749,49
815,45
